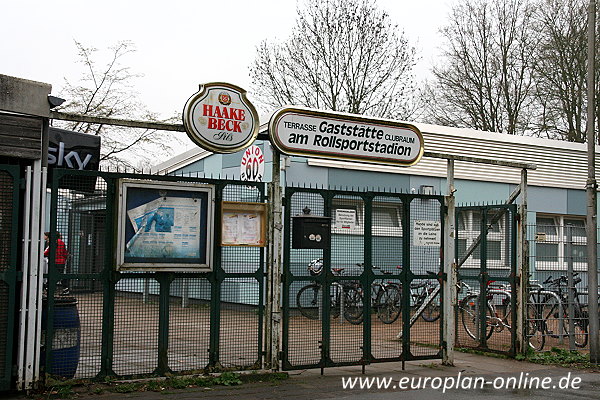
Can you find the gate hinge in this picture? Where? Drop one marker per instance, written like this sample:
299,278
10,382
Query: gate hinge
280,355
284,201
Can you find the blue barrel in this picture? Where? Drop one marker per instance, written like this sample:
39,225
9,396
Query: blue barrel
66,343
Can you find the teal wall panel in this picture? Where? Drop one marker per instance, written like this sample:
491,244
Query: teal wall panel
547,200
299,173
365,180
439,184
193,168
233,159
576,202
480,192
213,165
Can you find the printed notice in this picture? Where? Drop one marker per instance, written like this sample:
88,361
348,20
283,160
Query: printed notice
345,218
242,229
427,233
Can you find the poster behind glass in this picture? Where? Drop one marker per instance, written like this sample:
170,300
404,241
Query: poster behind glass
165,226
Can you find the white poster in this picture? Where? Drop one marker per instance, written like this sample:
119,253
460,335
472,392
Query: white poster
345,218
242,228
427,233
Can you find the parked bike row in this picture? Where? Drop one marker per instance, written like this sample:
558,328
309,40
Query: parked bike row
554,309
347,297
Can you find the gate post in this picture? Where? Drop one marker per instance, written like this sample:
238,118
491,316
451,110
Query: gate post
523,270
273,312
449,284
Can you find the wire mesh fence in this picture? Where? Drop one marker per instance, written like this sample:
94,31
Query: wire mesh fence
100,321
359,300
557,310
9,187
486,311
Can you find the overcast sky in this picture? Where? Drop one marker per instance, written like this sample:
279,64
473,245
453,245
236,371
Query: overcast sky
179,44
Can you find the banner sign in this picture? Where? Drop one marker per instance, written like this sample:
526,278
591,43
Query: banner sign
219,118
311,133
165,226
74,150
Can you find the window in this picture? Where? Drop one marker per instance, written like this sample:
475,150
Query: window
469,231
560,240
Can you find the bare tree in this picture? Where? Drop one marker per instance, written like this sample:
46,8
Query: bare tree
561,70
486,80
107,91
342,55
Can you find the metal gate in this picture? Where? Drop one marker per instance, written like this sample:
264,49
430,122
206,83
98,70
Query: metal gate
486,250
9,239
356,302
128,323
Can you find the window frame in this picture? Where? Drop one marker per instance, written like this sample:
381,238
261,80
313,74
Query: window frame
470,232
560,240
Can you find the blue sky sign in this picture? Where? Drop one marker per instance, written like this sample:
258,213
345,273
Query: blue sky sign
346,137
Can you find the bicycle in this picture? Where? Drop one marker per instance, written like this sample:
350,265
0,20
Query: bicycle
344,295
469,308
555,310
536,327
498,313
419,292
387,298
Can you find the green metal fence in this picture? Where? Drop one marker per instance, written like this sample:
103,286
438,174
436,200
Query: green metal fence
9,239
124,324
486,252
382,264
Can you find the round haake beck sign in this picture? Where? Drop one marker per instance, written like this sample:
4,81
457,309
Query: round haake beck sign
220,118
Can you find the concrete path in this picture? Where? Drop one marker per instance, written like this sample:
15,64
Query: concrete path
472,376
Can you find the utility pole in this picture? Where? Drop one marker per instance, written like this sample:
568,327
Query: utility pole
591,189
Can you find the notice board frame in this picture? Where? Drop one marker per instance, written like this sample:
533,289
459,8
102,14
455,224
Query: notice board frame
229,208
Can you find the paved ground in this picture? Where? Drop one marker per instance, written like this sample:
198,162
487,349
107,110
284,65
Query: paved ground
310,384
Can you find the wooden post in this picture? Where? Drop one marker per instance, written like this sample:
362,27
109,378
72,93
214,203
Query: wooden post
522,269
449,284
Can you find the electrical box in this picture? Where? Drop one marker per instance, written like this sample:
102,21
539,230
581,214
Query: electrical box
311,231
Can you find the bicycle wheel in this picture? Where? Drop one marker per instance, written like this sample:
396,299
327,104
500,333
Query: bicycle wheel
431,313
581,333
353,304
469,315
535,329
307,301
581,326
388,304
554,317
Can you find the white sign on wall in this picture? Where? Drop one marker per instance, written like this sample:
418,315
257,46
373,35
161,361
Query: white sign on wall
312,133
345,218
252,167
427,233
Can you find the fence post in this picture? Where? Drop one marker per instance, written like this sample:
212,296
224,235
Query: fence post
449,284
570,285
275,230
523,270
